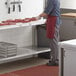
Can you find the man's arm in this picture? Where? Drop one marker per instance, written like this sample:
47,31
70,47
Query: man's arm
49,6
48,9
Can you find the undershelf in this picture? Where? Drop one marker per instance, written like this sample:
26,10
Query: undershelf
24,52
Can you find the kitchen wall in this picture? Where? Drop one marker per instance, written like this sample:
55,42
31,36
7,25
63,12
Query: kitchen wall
29,8
68,4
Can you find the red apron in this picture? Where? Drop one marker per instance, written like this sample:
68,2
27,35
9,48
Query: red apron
50,26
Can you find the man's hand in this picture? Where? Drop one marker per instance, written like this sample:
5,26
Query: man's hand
43,15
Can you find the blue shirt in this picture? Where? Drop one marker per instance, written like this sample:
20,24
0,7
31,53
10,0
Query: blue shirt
53,9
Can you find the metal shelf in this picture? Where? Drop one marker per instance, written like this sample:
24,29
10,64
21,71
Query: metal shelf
24,52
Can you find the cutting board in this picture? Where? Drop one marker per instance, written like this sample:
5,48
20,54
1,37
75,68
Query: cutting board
68,14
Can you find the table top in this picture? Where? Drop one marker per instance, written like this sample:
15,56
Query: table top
33,23
68,44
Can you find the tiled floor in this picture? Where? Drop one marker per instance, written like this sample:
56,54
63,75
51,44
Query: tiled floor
40,70
21,64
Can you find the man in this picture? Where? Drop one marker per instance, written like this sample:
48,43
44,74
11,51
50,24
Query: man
52,14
